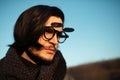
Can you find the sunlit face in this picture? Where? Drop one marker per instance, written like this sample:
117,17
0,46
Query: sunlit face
48,52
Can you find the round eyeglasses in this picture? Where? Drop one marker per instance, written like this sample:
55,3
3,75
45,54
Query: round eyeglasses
50,32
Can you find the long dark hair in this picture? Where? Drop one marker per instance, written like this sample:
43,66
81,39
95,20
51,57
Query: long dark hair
30,25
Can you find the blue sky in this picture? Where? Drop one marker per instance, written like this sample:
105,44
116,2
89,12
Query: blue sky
96,24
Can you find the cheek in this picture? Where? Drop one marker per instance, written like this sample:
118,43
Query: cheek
40,40
44,42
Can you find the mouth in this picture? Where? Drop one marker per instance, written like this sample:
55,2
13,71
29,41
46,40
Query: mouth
50,50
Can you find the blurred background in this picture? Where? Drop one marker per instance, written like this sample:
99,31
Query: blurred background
96,23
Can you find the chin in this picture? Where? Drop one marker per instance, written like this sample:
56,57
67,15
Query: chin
46,60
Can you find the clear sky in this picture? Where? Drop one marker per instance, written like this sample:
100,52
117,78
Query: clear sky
96,24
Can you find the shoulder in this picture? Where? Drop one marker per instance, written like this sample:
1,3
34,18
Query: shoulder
4,65
3,69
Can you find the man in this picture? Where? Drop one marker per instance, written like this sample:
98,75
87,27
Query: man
34,54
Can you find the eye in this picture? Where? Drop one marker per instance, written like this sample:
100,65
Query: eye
49,30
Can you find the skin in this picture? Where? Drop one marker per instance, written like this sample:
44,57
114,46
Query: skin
47,52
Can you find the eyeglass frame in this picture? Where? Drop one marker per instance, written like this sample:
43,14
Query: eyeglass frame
58,35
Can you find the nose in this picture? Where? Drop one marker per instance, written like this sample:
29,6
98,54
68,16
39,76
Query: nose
54,40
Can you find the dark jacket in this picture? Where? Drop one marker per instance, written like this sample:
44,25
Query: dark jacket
14,67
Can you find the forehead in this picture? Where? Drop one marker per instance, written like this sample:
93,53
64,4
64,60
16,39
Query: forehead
56,22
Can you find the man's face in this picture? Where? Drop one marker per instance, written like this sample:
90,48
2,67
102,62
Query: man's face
48,52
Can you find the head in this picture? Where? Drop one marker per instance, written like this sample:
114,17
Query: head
39,30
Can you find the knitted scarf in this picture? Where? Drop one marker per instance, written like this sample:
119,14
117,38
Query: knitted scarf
14,67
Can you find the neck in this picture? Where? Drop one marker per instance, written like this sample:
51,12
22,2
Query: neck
25,56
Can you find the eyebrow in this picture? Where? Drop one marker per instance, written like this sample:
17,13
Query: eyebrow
56,24
48,27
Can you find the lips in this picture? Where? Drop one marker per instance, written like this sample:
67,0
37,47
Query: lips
50,51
